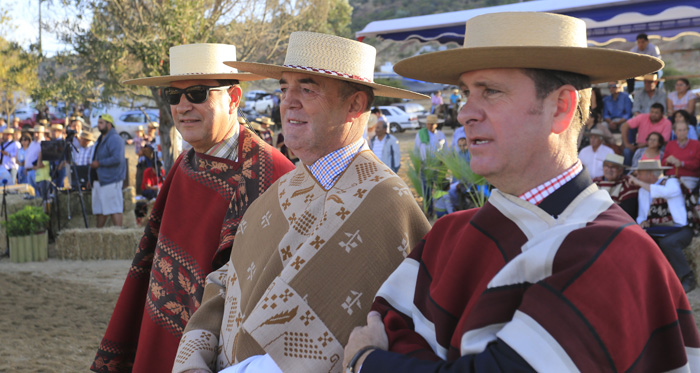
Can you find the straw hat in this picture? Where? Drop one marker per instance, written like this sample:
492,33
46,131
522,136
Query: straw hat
432,118
266,121
8,131
255,125
329,56
596,132
139,129
649,77
615,159
198,61
650,165
57,127
87,136
527,40
152,124
43,121
39,129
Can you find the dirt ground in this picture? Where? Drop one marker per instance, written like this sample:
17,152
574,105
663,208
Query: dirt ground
53,314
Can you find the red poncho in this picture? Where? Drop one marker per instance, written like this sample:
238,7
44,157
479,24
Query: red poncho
189,233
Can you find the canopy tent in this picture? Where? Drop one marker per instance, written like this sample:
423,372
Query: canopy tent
606,20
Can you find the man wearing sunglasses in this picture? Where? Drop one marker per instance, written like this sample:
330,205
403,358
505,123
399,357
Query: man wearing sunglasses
196,213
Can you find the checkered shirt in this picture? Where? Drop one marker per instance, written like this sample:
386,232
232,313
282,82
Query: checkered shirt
327,168
226,149
83,156
538,193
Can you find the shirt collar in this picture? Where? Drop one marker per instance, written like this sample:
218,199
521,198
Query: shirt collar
554,195
327,168
227,148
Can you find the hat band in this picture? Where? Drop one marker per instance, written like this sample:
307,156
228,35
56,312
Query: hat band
330,72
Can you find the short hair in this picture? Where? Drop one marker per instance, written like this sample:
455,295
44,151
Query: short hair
642,36
547,81
382,124
684,80
662,141
684,113
224,82
657,105
347,89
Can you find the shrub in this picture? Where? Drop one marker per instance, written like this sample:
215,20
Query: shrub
29,220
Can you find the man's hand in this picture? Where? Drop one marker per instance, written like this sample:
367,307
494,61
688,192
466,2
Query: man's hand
645,224
95,164
673,161
371,335
4,152
631,147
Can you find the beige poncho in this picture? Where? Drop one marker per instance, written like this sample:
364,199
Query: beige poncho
304,269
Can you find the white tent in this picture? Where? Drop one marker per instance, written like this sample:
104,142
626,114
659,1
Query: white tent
606,20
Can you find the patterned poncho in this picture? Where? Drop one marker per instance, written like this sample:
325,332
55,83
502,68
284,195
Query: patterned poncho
586,290
305,267
189,234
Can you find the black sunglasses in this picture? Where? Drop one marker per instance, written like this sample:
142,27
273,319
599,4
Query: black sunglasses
195,94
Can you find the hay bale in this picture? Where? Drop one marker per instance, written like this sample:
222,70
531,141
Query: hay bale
94,243
692,252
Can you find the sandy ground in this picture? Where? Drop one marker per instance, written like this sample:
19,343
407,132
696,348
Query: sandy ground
53,314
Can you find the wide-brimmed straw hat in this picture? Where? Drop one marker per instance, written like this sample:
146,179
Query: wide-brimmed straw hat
650,165
615,159
57,127
649,77
329,56
532,40
87,136
8,131
198,61
266,121
432,118
596,132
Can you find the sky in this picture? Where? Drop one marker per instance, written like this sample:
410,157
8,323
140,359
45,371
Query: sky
24,17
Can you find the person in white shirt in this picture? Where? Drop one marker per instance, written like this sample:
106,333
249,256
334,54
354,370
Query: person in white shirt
386,147
429,139
663,215
592,156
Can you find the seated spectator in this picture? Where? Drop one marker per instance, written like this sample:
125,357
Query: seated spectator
683,154
654,121
593,155
617,107
649,95
662,213
682,99
653,151
684,116
595,120
620,187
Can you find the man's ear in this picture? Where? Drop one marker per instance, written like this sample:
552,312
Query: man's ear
358,103
566,98
236,93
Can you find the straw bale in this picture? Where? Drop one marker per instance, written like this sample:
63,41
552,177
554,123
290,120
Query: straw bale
692,252
94,243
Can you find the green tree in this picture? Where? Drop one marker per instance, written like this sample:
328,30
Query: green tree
131,38
18,76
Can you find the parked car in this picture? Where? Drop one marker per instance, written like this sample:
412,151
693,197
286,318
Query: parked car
31,122
412,108
251,97
398,119
264,104
23,113
128,122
